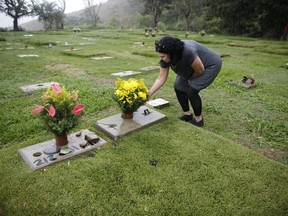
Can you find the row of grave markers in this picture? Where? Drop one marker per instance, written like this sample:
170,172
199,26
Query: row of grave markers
115,127
38,155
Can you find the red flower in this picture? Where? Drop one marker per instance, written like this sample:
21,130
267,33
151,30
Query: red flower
56,87
38,109
78,109
52,111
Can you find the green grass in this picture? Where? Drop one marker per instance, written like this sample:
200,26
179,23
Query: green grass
235,165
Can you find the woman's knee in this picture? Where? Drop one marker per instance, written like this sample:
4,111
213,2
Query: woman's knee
192,92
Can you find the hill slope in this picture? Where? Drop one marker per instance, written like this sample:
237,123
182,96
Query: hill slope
123,11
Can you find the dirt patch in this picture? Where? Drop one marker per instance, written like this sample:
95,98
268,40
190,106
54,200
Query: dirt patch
277,154
66,68
106,81
107,111
269,152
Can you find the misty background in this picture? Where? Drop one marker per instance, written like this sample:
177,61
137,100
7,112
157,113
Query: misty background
71,6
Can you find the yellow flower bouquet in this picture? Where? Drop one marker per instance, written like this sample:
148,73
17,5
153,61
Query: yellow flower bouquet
130,94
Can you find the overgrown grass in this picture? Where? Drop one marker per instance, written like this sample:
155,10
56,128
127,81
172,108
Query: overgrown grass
170,168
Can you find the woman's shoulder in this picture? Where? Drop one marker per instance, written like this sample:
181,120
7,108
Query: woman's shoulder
189,46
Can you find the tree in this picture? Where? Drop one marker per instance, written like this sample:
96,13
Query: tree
92,10
60,15
16,9
51,14
255,18
189,9
155,8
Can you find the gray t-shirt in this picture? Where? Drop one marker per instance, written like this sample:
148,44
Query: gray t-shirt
191,50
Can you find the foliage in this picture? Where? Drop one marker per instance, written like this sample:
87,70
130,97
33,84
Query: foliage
130,94
60,109
189,10
155,9
143,20
255,18
50,14
161,26
215,26
3,29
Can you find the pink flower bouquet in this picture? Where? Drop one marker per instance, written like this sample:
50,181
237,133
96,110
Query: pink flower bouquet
60,109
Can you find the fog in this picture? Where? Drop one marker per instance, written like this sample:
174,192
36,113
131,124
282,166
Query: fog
71,5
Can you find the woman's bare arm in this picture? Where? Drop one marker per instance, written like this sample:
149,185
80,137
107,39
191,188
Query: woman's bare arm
160,81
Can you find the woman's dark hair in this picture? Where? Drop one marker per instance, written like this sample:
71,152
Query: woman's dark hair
171,46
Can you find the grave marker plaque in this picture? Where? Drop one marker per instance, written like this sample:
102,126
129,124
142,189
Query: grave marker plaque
158,103
125,73
35,87
27,55
101,58
35,157
116,127
150,68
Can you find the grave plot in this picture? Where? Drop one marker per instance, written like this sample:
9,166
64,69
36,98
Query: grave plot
116,127
125,73
102,57
150,68
139,43
158,103
68,69
35,87
36,158
27,55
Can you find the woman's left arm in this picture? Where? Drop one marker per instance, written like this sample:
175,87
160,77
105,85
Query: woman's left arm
198,67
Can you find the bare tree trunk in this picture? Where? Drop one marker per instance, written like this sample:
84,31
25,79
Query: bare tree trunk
15,24
92,10
188,22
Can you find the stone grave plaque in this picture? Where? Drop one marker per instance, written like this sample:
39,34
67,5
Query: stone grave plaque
125,73
28,55
102,58
116,127
68,44
158,103
35,157
150,68
35,87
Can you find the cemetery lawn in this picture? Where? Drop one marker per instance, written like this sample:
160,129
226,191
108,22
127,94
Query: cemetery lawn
235,165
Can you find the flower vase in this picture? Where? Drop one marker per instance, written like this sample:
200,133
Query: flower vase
62,144
127,116
61,140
